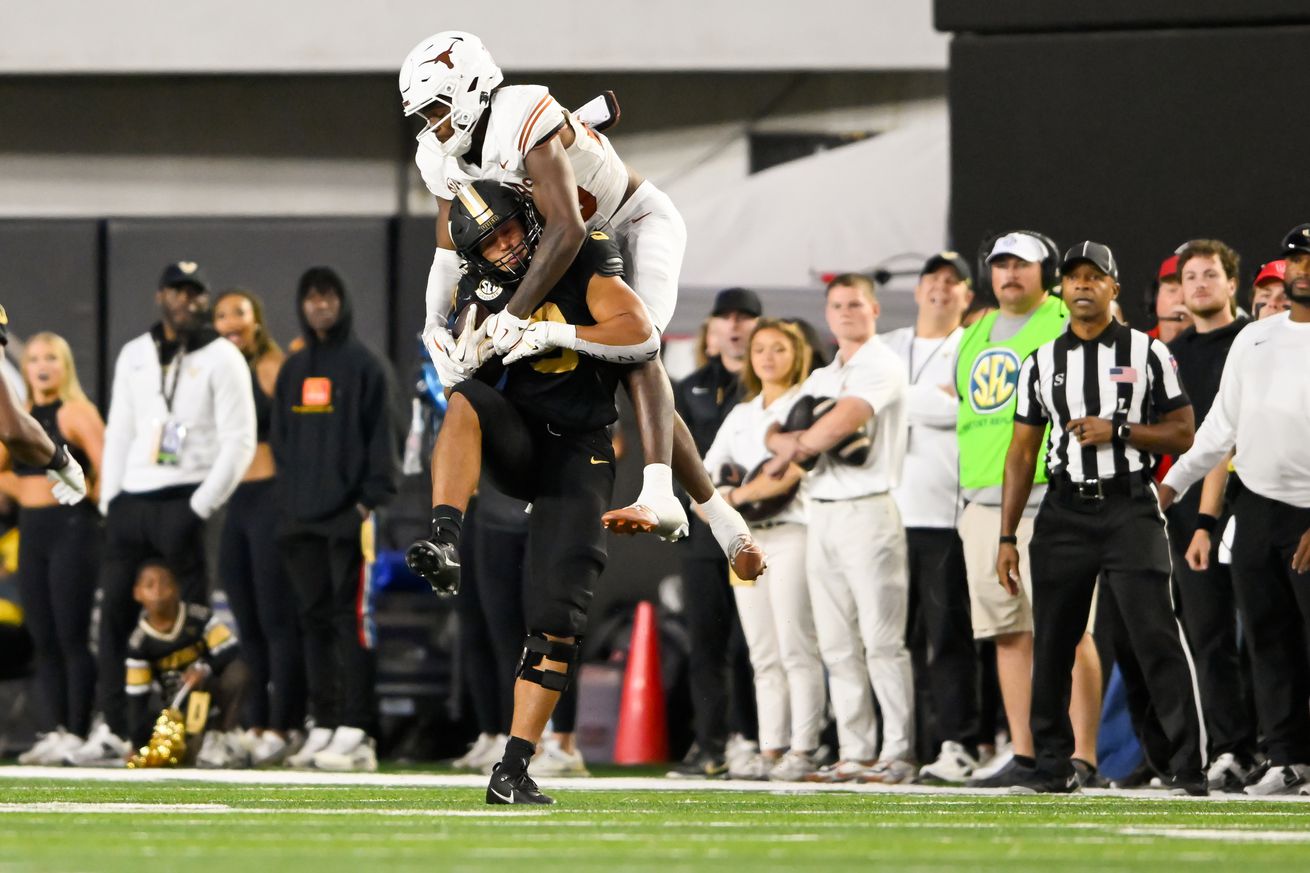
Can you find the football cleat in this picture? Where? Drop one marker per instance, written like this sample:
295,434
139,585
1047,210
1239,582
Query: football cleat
507,790
437,563
640,518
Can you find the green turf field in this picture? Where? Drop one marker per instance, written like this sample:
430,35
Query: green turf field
70,826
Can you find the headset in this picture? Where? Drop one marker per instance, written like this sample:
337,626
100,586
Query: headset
1050,264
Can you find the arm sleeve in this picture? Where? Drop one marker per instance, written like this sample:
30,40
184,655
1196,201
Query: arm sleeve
221,647
234,421
1167,392
442,281
1217,434
379,484
119,430
1028,407
879,386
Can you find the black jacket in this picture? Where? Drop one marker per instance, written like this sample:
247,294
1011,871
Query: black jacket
704,400
334,432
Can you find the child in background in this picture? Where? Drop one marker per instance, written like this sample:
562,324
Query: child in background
175,643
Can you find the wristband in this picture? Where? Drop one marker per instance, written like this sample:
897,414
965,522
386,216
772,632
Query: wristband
60,459
1009,540
1206,522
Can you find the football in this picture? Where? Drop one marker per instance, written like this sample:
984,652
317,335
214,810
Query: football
471,316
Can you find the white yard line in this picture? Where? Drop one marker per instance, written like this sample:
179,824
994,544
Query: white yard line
298,778
1224,835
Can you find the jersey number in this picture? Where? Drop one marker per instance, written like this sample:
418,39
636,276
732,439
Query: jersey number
560,360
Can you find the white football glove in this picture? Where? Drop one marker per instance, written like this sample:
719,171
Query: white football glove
439,344
473,349
504,330
69,481
541,337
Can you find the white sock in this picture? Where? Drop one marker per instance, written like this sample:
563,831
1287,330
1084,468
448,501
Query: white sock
726,523
656,485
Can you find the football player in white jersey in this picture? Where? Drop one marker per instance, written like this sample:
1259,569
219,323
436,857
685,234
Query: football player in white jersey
519,135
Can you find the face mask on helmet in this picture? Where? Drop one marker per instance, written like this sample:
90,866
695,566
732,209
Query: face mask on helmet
455,70
495,230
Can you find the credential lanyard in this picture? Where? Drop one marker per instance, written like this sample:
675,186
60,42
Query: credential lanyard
168,393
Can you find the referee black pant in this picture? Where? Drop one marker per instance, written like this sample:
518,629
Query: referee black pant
1275,605
1121,537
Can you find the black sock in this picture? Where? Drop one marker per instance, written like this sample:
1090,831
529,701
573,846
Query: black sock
446,524
517,755
1025,760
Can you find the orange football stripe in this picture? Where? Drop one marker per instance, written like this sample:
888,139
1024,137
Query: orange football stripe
532,120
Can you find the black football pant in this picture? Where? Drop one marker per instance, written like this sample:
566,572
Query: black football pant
1209,615
1275,605
328,579
492,627
140,527
942,632
59,555
1122,540
259,592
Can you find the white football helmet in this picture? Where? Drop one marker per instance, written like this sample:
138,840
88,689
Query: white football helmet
455,68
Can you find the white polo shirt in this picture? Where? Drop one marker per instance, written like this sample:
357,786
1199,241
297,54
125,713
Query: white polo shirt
740,441
929,493
876,375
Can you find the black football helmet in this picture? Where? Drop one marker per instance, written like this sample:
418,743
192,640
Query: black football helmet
479,211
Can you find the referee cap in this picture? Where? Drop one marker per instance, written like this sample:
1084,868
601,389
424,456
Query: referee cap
1024,246
1297,239
1094,253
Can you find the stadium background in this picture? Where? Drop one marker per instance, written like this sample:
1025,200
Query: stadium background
258,140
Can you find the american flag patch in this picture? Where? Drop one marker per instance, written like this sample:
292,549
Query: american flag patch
1123,374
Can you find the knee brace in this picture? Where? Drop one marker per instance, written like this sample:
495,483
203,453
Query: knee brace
536,648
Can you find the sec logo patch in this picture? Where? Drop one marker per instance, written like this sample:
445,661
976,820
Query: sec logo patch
993,379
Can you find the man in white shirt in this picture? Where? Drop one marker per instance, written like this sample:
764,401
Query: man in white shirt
1263,410
856,552
180,435
941,635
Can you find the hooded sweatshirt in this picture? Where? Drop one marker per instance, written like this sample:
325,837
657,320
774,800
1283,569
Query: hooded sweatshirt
334,434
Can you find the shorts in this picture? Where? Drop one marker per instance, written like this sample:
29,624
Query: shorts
653,239
992,610
569,480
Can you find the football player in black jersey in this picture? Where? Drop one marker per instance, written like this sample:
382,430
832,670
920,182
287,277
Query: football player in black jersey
542,437
29,444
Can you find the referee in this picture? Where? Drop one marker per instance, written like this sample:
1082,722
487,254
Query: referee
1098,383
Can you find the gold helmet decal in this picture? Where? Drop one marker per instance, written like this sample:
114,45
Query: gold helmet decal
477,208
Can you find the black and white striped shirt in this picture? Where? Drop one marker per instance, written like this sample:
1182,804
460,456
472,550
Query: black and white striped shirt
1122,375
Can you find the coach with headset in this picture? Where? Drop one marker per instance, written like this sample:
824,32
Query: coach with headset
1022,265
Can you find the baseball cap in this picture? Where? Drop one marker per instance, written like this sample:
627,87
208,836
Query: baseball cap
1022,245
1272,270
1297,239
1097,254
181,273
1168,269
952,260
737,300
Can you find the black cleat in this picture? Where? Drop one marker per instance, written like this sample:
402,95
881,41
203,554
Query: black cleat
699,765
1012,773
436,562
506,790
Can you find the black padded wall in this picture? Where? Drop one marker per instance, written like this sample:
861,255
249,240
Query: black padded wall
50,280
265,255
1141,139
